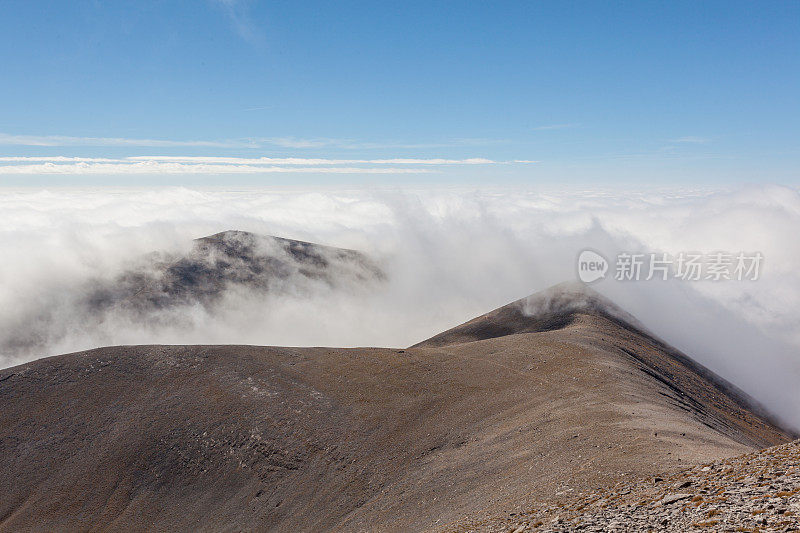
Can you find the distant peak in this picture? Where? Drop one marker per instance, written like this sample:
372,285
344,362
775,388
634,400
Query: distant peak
230,233
245,238
570,297
554,308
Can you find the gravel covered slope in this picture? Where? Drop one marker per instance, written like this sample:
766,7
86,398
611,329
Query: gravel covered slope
754,492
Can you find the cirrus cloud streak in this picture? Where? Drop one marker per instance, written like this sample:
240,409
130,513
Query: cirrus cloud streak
67,165
156,167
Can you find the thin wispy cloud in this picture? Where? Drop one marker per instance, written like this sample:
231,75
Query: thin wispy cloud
67,140
238,14
156,167
691,139
554,127
56,159
352,144
8,139
293,142
315,161
32,165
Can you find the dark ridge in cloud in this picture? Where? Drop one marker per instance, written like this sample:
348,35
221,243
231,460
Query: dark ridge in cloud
164,287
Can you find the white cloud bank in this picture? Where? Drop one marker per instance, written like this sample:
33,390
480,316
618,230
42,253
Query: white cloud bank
450,255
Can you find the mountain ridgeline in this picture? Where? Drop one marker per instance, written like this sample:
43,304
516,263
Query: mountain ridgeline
557,393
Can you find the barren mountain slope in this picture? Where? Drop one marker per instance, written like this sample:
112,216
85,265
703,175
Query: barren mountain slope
242,437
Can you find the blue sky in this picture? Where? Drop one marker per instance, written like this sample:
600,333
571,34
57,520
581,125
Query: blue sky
593,92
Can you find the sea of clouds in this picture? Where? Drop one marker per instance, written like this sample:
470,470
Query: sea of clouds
450,254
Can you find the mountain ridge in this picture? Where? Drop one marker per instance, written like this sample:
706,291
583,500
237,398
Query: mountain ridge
277,438
564,304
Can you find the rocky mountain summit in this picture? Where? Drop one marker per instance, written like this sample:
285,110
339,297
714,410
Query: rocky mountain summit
754,492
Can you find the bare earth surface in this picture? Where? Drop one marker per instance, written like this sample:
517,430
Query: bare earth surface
552,396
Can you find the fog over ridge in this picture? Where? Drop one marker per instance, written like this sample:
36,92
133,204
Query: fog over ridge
448,255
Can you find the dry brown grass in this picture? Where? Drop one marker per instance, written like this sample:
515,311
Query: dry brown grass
707,523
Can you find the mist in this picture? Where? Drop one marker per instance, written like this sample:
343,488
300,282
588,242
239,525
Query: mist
448,255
